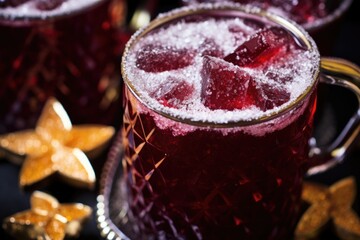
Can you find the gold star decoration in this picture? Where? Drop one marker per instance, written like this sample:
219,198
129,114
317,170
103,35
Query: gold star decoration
329,203
56,147
47,219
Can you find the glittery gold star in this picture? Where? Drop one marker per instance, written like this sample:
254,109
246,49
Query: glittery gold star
56,147
326,203
47,219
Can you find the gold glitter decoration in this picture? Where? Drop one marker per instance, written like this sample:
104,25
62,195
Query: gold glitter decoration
334,202
56,147
47,219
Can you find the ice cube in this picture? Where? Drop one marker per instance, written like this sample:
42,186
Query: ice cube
269,96
260,48
225,86
159,58
173,92
47,5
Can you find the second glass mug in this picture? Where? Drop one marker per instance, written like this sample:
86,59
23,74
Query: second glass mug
204,184
320,18
69,52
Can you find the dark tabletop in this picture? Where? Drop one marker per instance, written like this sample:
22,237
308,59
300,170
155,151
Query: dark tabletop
347,45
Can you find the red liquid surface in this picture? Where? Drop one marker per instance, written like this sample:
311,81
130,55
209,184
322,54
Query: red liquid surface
212,183
73,58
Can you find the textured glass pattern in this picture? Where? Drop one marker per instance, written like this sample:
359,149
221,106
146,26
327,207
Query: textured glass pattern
202,184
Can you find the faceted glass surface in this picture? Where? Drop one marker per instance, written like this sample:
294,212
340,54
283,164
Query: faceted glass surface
206,185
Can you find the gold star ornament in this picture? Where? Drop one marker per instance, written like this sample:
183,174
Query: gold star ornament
56,147
47,219
329,203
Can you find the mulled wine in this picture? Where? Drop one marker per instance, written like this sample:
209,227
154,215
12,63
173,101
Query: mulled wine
219,107
320,18
308,13
61,48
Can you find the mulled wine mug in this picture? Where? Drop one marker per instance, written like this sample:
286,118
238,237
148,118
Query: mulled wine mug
63,49
205,179
320,18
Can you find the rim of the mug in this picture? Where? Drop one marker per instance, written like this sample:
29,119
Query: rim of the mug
16,18
164,18
333,16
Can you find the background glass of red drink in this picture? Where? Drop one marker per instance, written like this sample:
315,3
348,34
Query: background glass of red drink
204,184
320,18
73,56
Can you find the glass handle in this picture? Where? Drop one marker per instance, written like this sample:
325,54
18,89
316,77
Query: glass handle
345,74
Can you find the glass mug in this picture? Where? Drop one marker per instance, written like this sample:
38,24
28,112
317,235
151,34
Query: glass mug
201,179
65,49
320,18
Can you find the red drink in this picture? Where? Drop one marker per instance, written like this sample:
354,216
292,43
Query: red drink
61,48
308,13
319,17
219,111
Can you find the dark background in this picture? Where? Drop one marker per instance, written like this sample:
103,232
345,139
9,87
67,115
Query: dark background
339,108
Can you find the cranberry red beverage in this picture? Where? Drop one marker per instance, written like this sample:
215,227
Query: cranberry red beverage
60,48
216,180
309,13
219,107
319,17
